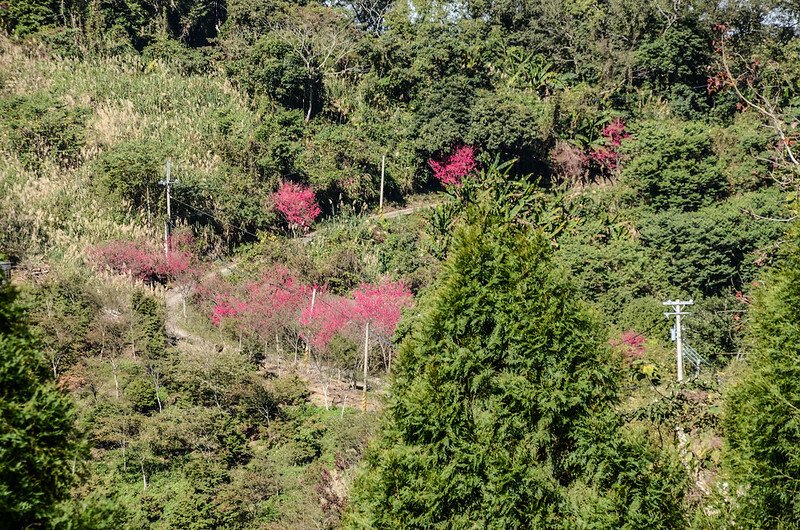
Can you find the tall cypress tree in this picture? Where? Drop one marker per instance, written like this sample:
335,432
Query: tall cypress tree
502,410
38,442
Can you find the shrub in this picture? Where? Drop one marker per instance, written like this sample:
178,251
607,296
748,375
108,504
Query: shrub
130,171
455,166
717,247
673,166
39,127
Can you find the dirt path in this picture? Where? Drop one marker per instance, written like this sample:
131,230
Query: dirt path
384,215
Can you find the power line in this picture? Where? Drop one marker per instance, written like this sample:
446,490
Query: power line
220,221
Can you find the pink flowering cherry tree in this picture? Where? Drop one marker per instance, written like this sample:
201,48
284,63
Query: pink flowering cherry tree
274,304
452,169
381,305
298,205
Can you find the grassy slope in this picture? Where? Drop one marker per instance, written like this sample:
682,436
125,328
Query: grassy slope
128,100
62,213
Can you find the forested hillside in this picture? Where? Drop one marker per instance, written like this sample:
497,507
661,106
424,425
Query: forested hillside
398,264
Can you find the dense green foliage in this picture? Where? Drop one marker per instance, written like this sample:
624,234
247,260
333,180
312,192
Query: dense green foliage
761,426
502,409
639,146
39,441
674,167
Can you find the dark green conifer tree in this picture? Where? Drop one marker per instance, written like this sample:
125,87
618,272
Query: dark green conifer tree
38,442
762,420
502,410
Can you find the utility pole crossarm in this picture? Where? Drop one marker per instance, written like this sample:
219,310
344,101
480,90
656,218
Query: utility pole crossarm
167,183
678,312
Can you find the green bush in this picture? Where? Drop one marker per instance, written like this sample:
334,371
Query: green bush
272,68
763,434
130,172
38,127
141,394
673,166
716,247
24,17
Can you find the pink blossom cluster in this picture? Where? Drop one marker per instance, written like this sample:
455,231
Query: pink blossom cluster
381,304
297,203
278,303
608,155
329,317
454,167
226,307
630,344
142,261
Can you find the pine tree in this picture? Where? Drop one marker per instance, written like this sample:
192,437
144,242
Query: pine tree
762,420
502,408
38,442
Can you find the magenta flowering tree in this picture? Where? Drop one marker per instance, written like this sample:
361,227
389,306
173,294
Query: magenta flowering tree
329,317
277,306
297,204
127,257
274,304
607,154
225,308
452,169
381,305
630,344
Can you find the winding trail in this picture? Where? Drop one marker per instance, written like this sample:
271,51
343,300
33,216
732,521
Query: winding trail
392,214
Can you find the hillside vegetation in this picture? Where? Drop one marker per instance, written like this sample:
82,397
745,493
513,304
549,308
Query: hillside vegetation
414,268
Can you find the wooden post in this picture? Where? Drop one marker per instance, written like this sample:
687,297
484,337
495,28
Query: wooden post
383,173
311,315
366,360
167,183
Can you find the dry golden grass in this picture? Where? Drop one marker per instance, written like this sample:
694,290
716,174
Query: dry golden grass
58,208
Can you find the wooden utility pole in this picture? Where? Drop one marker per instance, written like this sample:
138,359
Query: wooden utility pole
383,174
677,311
167,183
307,355
366,360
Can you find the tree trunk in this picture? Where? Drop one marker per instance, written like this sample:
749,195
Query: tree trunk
116,379
144,477
155,387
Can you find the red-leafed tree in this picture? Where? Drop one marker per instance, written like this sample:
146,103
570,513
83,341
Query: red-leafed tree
329,317
226,308
274,303
127,257
452,169
607,154
298,204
